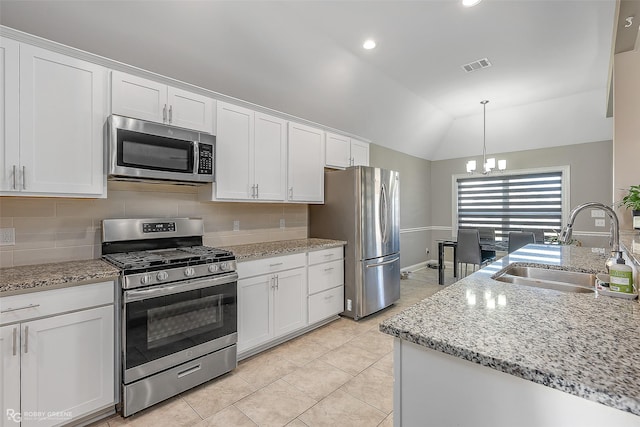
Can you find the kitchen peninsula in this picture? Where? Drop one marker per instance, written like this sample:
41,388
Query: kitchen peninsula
483,352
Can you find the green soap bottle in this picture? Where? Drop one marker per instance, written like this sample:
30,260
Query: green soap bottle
621,276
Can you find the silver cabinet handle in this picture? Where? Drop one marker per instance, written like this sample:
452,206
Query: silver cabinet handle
24,177
276,264
8,310
170,113
328,269
328,297
257,191
164,113
290,191
14,176
253,191
15,341
383,263
26,339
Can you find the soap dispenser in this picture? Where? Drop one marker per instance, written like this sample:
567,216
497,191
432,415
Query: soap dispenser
621,276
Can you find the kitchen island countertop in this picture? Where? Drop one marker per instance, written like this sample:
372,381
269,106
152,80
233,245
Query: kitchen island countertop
580,343
282,247
41,277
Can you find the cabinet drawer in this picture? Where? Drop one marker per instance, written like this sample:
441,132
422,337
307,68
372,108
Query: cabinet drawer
270,265
326,255
326,304
46,303
326,276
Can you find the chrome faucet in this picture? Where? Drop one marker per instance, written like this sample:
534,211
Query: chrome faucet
565,236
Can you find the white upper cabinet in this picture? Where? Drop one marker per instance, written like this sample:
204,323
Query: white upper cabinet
342,151
305,178
337,151
359,153
140,98
60,111
9,114
250,155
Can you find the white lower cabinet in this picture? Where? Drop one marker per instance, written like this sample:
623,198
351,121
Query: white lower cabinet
58,368
326,284
282,295
272,302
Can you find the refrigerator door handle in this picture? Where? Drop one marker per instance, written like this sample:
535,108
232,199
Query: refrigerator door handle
383,212
391,261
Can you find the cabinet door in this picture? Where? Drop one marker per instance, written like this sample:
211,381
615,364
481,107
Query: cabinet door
290,302
337,151
9,115
133,96
234,151
68,365
62,113
305,179
190,110
9,375
359,153
270,157
255,300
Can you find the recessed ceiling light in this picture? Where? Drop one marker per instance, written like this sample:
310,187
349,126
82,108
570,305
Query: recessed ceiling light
470,3
369,44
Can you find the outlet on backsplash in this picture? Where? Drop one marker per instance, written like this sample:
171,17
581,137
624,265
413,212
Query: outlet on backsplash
281,222
236,225
7,236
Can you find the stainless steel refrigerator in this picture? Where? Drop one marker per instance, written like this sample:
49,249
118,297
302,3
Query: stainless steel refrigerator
361,206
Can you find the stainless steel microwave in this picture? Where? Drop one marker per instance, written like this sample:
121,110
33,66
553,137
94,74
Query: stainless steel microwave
139,150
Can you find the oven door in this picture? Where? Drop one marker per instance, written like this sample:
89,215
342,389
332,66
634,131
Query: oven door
166,325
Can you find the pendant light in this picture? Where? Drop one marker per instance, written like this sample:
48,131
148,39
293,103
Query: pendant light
487,164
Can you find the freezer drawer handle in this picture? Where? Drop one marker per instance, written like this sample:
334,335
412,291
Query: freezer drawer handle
383,263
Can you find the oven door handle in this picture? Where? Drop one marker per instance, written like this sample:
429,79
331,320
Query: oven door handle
176,288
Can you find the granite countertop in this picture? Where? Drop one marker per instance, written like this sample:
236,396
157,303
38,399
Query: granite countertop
29,278
281,247
580,343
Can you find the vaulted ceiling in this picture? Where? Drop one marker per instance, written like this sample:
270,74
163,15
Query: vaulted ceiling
546,86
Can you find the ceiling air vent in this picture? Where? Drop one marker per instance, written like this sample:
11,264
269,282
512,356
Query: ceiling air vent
476,65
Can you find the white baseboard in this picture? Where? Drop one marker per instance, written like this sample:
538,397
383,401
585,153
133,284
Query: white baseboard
415,267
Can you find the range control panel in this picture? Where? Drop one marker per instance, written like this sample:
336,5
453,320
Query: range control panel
158,227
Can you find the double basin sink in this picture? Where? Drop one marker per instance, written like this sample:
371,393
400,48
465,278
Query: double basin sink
560,280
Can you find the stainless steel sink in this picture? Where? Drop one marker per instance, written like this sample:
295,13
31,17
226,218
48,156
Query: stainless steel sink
560,280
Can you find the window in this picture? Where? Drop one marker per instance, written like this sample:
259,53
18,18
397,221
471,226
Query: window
531,201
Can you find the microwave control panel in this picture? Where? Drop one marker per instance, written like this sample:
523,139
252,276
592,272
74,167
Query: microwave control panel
205,165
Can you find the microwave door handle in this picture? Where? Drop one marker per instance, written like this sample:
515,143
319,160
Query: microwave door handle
196,156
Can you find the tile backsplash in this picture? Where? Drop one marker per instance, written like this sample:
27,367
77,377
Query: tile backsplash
61,229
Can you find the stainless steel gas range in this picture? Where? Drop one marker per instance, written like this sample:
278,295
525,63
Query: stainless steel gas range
179,307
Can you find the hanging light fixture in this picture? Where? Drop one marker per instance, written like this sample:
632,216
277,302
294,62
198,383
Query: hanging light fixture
487,164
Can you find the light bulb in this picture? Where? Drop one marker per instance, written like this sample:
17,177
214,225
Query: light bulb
471,166
470,3
369,44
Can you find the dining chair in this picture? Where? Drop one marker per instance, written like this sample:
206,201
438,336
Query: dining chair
518,239
469,250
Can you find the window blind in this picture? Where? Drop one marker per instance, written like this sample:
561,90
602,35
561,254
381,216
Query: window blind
526,202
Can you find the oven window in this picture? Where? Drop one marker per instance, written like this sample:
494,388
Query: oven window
164,325
154,152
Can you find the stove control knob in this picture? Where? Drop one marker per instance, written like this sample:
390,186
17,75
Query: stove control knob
145,280
224,266
189,271
162,275
213,268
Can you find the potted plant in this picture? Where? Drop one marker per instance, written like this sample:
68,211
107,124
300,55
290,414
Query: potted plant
632,200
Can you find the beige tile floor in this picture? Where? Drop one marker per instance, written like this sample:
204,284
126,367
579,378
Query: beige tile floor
338,375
